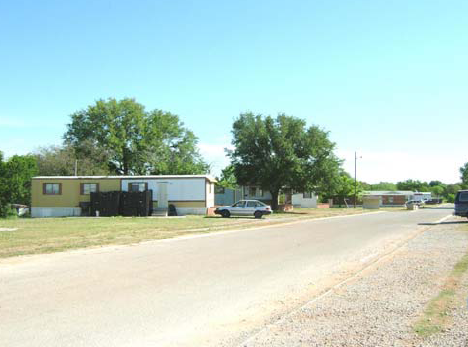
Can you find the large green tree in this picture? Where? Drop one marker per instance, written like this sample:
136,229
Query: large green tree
60,161
282,152
136,141
15,181
464,174
345,187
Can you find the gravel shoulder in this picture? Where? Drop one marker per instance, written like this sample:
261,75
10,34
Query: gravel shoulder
381,306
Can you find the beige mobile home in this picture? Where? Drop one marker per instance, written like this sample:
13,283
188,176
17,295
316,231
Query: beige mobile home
60,196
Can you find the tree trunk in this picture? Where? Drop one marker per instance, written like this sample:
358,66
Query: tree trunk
274,199
125,161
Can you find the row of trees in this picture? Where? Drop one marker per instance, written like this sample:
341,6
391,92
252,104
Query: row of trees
437,188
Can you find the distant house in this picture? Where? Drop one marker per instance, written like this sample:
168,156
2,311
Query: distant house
227,196
308,200
255,193
391,198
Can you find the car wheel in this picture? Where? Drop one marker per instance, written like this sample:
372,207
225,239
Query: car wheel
226,214
258,214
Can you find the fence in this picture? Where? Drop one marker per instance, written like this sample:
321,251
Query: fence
117,203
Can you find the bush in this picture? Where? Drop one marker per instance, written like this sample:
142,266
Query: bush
3,209
450,197
11,213
7,212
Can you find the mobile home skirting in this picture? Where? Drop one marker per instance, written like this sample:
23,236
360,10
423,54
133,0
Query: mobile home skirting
39,212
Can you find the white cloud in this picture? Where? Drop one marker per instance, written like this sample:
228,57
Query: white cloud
214,154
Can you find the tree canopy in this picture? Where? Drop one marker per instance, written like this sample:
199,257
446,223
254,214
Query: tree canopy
60,161
135,141
282,152
414,185
464,174
15,181
228,178
382,186
343,187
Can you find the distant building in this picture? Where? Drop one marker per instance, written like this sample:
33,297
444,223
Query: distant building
391,198
419,196
308,200
228,196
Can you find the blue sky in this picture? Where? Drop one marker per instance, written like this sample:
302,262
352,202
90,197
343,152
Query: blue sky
386,78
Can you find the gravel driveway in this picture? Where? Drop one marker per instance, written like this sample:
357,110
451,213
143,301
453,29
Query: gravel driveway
380,307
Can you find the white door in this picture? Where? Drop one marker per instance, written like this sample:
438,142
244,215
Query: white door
162,195
238,208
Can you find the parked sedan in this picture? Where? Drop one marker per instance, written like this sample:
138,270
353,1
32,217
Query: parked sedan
253,208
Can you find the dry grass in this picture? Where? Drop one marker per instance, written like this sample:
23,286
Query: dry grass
435,316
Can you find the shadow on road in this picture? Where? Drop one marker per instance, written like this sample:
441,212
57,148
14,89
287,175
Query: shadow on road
452,222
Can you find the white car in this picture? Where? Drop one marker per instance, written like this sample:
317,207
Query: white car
253,208
420,203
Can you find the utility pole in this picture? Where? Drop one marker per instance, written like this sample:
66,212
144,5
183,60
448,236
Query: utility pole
76,167
355,178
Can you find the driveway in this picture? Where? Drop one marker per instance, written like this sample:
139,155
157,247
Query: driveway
212,290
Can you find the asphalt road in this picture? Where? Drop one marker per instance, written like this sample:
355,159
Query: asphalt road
213,290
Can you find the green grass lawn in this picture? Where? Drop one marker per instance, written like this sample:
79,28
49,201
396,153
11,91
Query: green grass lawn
46,235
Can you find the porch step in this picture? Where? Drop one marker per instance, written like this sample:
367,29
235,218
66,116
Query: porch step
160,212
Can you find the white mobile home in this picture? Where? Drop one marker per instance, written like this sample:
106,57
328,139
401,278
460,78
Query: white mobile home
189,194
307,200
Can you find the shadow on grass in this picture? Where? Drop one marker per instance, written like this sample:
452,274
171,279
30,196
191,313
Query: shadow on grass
231,217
